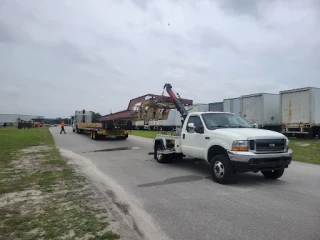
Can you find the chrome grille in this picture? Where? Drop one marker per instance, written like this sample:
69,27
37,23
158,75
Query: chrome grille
268,145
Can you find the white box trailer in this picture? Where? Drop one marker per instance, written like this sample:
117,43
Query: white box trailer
262,109
216,106
232,105
169,124
141,125
200,107
300,111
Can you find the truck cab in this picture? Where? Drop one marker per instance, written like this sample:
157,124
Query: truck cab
228,143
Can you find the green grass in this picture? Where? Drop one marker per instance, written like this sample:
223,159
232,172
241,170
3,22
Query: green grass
306,150
14,139
303,150
58,209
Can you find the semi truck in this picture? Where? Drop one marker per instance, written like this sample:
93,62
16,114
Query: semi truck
97,131
226,141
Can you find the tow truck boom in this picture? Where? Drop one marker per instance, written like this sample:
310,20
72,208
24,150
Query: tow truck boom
176,101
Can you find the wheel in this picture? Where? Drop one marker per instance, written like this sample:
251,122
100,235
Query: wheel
95,135
274,174
161,158
123,137
73,130
221,169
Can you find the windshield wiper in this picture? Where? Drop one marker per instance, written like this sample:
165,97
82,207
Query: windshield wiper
238,126
219,126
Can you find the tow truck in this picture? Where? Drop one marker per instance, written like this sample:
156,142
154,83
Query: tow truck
226,141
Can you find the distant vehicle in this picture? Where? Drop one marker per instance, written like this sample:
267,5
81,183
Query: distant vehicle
100,130
227,142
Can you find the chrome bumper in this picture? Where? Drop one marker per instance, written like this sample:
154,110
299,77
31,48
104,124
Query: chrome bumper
245,157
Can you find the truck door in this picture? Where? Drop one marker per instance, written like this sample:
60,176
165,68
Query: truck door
192,143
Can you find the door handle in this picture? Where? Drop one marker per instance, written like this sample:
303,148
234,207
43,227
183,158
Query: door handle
183,136
207,137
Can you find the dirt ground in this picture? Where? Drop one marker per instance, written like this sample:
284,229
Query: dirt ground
42,197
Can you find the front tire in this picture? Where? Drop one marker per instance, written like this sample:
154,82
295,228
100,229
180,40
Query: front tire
221,169
274,174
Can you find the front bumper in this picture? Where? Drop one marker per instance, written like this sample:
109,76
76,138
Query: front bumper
249,161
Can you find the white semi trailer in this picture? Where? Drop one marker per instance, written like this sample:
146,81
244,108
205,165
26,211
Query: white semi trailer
300,112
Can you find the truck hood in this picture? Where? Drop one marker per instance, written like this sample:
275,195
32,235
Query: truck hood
245,133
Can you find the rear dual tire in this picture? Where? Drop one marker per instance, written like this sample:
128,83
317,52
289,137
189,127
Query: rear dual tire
161,158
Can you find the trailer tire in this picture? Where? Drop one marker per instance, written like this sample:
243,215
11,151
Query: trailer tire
95,135
161,158
222,171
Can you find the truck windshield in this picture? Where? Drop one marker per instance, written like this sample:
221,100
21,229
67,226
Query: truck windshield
224,120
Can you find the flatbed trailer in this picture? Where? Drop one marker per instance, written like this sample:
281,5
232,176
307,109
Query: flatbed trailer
98,131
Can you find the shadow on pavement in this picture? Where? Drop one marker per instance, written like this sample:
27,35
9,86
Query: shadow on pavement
202,169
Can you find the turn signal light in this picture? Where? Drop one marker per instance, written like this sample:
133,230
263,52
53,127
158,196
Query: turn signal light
240,149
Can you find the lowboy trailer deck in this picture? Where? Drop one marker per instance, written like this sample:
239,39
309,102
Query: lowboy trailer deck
99,131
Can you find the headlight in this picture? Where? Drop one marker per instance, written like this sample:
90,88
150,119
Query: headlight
240,145
287,144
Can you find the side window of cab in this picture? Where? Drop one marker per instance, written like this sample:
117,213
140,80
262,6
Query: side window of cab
195,119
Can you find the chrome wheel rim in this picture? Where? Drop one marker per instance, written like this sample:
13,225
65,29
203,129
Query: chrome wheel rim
159,155
219,169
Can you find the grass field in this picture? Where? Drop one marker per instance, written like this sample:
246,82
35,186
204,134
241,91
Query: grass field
303,150
40,195
306,150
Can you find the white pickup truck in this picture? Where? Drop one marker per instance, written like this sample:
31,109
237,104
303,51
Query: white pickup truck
228,143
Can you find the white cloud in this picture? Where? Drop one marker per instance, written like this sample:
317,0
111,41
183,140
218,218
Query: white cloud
59,56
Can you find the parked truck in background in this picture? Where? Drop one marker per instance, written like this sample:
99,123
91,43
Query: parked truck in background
262,109
300,112
227,142
232,105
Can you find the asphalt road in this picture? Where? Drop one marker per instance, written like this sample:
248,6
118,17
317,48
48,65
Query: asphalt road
187,204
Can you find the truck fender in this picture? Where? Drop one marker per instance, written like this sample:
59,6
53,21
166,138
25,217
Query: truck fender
215,150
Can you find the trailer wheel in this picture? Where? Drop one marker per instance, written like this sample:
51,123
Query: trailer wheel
161,158
95,135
